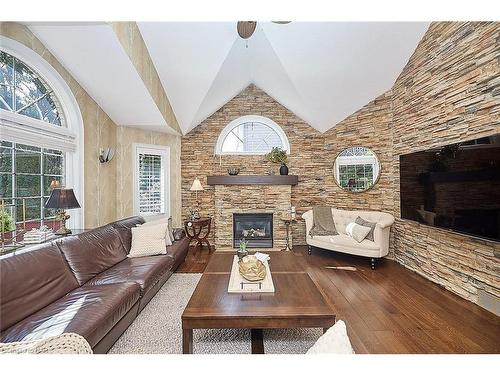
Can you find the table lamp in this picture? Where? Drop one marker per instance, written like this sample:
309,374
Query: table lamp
62,199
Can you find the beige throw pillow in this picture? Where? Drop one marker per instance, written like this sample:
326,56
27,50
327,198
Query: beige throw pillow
356,231
148,240
359,220
164,220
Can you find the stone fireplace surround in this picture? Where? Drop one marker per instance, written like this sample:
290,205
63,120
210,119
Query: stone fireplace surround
229,199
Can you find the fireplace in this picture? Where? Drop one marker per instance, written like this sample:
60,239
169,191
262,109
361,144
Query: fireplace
256,228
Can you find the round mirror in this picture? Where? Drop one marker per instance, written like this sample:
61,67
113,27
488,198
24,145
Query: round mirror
356,169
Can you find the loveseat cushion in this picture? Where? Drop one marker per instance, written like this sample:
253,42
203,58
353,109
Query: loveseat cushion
345,240
90,253
90,311
145,271
31,280
124,227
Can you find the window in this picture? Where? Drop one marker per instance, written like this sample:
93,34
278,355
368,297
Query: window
26,173
22,91
356,169
41,136
251,135
151,192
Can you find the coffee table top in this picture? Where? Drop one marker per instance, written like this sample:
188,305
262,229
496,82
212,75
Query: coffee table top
297,302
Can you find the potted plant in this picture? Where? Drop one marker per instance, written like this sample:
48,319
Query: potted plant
242,251
278,156
6,224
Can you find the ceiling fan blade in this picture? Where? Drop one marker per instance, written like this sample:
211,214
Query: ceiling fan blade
281,22
246,28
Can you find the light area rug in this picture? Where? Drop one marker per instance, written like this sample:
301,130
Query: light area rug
157,329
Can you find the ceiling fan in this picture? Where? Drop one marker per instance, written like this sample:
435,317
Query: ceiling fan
246,28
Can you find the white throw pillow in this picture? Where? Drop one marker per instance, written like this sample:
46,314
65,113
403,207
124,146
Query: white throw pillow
334,341
356,231
148,240
168,235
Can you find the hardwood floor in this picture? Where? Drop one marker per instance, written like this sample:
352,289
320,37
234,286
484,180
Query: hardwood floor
391,309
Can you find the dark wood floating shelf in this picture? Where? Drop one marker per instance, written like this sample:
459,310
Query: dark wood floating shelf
253,180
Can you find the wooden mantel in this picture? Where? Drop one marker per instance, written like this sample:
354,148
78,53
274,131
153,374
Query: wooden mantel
253,180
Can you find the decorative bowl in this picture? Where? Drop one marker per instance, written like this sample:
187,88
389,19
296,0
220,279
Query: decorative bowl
251,268
233,171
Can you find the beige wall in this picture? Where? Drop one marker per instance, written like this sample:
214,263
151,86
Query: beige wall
108,186
99,131
125,138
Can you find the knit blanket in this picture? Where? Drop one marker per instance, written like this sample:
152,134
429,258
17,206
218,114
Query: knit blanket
323,224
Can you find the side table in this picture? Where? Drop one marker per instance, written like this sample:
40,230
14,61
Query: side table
194,228
287,222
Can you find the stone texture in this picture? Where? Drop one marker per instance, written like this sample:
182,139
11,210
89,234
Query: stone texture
448,92
231,199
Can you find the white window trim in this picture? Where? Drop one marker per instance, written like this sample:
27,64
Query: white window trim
250,118
164,152
19,128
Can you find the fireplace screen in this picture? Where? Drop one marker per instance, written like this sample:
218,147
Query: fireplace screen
257,229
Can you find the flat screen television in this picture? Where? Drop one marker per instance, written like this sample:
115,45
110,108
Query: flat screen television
455,187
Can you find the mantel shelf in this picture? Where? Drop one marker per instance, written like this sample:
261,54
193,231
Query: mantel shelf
253,180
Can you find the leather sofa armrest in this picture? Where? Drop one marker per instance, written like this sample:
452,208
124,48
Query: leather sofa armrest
179,233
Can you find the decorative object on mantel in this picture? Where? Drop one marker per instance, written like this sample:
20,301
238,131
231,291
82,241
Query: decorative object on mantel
106,154
233,171
278,156
251,268
62,199
242,250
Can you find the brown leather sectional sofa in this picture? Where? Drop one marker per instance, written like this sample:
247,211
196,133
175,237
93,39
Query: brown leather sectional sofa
84,284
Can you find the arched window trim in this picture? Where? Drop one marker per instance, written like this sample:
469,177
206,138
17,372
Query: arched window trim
250,118
23,129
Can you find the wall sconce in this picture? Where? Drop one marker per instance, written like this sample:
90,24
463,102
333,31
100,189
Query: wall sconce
106,154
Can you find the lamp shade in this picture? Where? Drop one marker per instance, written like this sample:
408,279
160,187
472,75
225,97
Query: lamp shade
62,198
196,186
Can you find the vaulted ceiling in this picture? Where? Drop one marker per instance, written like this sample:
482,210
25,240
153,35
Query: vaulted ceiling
321,71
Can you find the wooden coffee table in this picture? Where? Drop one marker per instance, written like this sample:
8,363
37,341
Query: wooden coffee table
297,302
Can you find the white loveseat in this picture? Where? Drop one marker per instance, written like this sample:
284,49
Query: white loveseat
345,244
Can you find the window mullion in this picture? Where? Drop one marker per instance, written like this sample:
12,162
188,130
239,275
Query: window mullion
14,87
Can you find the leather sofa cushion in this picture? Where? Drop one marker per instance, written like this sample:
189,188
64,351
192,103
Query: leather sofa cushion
178,250
31,280
145,271
92,252
90,311
124,226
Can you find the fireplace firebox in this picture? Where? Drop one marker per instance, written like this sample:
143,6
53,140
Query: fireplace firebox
256,228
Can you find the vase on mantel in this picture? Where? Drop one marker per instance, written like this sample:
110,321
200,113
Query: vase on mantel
283,169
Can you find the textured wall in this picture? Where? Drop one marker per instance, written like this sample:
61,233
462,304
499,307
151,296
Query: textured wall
125,138
99,131
448,92
311,158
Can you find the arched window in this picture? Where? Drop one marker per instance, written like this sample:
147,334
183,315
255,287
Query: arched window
251,135
41,136
24,92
